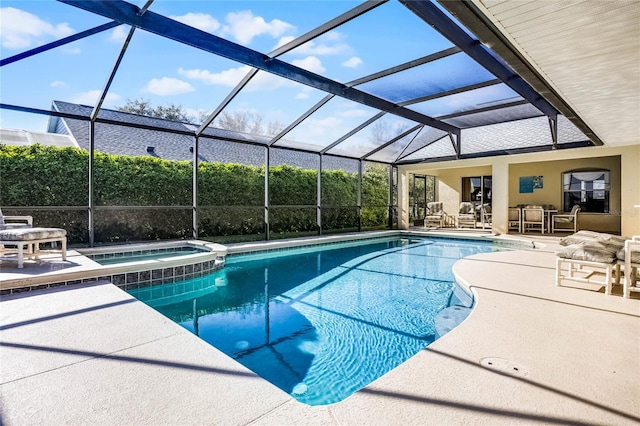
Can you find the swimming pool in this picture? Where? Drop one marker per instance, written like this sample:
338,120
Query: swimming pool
323,322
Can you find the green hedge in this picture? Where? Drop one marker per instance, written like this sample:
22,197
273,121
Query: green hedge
231,196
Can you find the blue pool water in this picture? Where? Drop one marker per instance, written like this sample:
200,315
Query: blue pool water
321,323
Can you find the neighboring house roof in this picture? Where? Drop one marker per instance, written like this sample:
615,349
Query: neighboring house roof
124,140
25,138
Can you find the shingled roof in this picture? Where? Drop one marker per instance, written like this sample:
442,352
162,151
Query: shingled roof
216,145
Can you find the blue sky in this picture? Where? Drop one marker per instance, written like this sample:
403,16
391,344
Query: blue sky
166,72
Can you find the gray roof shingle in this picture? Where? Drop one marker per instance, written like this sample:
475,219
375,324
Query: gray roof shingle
214,145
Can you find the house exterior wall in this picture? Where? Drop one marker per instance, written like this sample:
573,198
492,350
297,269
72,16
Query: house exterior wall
449,184
551,192
624,163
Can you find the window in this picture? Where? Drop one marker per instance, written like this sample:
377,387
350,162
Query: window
477,189
587,188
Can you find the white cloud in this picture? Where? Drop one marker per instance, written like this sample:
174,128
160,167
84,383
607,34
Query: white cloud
353,113
91,97
119,34
261,81
327,44
21,29
168,86
229,77
58,83
283,40
244,26
201,21
313,48
305,93
310,63
352,62
328,125
332,36
71,50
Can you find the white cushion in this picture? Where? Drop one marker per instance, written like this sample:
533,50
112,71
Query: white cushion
30,234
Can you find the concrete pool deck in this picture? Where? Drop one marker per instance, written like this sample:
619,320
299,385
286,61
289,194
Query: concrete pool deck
530,353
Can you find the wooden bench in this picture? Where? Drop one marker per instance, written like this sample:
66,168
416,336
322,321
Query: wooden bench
28,240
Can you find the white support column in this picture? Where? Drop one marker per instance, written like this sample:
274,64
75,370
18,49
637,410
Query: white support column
500,197
403,198
630,191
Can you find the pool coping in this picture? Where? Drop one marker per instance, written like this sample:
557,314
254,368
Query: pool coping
169,376
125,275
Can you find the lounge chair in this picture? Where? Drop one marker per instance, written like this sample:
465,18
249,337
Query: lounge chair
435,214
28,240
589,255
631,264
466,215
570,218
18,232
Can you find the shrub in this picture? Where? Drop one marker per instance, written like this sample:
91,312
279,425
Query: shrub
230,196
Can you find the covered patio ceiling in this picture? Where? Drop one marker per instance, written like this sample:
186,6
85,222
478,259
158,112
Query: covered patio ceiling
463,86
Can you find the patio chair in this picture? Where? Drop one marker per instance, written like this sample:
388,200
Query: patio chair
571,218
486,216
631,265
533,218
12,222
514,221
466,215
435,214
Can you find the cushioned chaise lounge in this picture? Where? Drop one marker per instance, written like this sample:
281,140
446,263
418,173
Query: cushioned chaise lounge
28,240
588,254
631,266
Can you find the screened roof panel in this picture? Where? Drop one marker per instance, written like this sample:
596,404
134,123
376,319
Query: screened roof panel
374,135
517,112
199,74
189,78
329,123
426,136
390,153
266,105
437,149
568,132
534,132
469,100
346,53
254,24
74,72
444,74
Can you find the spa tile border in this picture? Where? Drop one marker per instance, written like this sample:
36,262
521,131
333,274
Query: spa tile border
134,280
145,252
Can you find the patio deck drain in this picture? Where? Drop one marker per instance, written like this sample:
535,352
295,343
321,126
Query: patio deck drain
505,366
